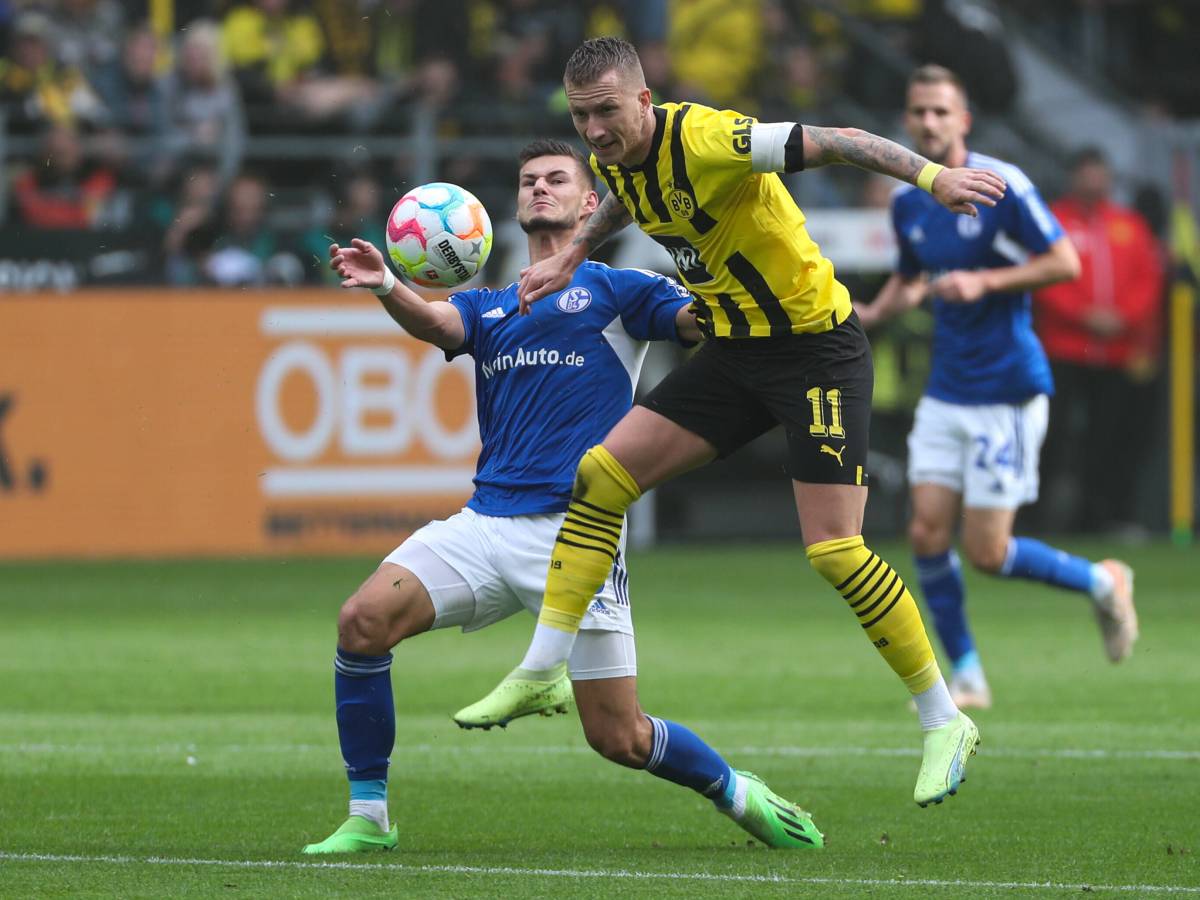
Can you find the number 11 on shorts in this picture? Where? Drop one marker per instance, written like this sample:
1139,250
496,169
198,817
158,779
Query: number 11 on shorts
818,428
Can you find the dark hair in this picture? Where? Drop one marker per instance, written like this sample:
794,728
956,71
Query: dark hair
552,147
931,73
595,57
1090,155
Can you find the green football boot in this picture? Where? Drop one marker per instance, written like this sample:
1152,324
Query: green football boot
776,822
357,835
944,763
521,693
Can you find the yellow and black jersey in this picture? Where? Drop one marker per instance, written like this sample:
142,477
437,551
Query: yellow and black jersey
737,236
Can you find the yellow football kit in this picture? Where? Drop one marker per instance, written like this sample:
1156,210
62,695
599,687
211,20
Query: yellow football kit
739,243
737,237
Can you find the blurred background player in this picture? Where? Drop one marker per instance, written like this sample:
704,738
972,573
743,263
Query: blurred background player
784,348
973,449
1102,333
537,414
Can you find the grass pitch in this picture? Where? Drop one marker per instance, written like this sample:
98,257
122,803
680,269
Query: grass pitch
166,730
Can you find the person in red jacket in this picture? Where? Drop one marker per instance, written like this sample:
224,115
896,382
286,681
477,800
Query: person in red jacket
1101,333
62,189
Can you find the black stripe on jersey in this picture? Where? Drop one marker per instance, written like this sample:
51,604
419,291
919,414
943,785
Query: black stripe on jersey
611,182
752,280
700,220
739,325
650,167
632,191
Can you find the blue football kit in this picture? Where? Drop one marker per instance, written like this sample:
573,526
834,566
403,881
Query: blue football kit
550,385
986,357
986,351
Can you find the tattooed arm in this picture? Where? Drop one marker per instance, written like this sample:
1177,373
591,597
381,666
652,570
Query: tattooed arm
609,218
854,147
957,189
554,273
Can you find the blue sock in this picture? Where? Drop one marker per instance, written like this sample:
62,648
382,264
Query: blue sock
968,662
373,789
366,720
679,755
1029,558
941,582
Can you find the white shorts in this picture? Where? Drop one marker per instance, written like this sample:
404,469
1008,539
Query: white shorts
989,454
480,569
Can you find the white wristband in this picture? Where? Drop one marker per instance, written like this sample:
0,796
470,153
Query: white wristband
389,282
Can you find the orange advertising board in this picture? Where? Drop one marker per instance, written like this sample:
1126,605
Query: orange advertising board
159,423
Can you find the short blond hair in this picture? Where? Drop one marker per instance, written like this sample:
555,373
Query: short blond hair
593,58
932,73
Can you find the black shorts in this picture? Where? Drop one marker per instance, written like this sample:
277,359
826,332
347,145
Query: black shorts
817,386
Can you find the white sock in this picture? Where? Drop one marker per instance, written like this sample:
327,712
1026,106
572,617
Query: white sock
934,706
374,810
550,647
1103,585
738,809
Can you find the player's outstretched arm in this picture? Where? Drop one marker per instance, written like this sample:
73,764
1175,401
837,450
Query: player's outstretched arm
554,273
959,190
898,294
362,265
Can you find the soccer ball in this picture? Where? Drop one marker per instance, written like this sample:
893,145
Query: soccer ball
439,235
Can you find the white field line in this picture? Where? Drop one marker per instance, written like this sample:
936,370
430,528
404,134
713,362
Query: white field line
923,883
1078,753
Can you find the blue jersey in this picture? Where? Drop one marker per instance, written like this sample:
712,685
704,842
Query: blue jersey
551,384
986,351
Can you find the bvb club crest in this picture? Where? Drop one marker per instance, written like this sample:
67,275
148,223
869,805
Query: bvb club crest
681,204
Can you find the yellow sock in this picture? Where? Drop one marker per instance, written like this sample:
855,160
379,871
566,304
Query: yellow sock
885,608
587,542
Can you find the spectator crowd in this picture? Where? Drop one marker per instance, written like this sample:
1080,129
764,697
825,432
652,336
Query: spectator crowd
232,133
156,116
